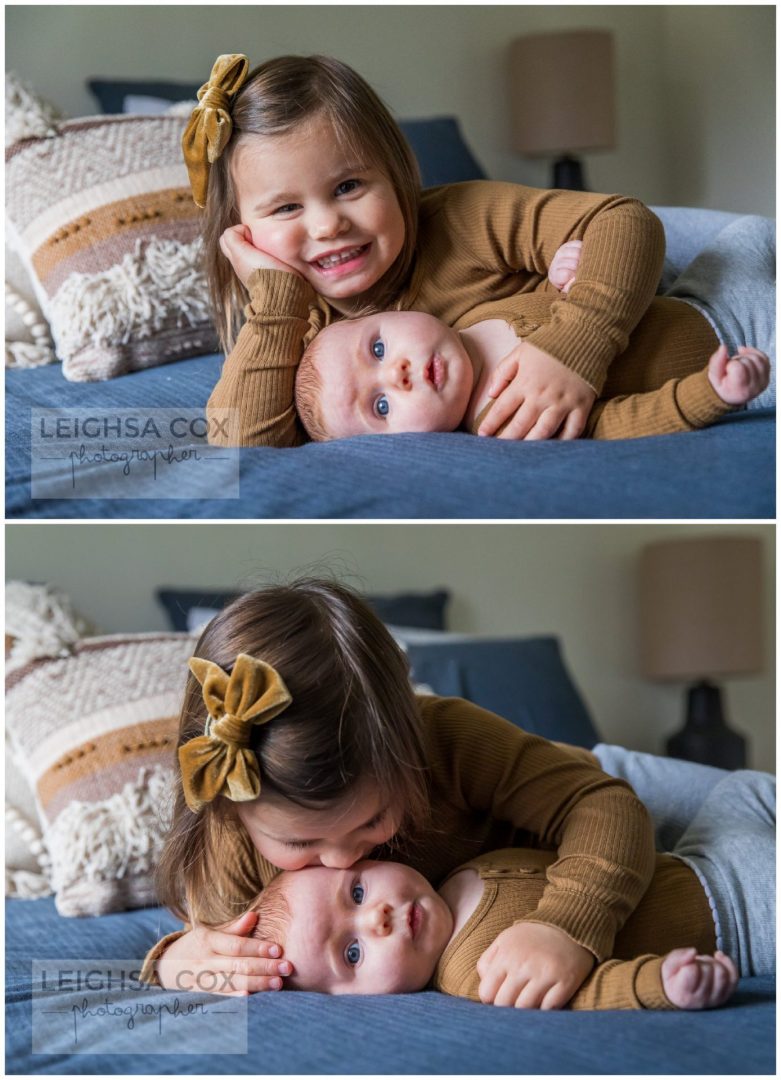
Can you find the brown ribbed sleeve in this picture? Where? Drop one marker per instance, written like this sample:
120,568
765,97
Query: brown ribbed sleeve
673,913
258,376
624,984
489,240
679,405
484,769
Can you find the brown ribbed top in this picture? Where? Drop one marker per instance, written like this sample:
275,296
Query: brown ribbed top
479,242
493,786
673,913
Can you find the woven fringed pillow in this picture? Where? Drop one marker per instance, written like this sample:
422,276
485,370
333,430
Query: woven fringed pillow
94,733
102,216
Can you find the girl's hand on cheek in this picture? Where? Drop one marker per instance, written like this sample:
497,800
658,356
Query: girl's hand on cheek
237,247
223,961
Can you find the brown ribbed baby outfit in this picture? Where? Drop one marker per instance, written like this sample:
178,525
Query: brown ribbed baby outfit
494,786
673,913
484,248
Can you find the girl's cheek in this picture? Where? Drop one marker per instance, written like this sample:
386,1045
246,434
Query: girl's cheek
274,240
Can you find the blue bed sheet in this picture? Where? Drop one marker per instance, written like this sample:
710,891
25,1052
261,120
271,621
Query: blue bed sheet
726,471
426,1033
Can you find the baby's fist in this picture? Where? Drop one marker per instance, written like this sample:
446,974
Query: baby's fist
564,265
698,982
738,379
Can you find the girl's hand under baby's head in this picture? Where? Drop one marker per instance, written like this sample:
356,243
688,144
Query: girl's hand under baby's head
223,961
237,247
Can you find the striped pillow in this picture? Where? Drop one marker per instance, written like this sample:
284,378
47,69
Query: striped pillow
94,734
102,216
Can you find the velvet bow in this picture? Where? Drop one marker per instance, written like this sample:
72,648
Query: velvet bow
220,762
209,128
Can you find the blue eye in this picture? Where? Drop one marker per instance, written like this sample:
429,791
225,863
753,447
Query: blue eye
347,186
359,890
382,406
378,349
353,954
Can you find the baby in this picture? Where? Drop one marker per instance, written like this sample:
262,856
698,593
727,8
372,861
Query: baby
380,928
406,371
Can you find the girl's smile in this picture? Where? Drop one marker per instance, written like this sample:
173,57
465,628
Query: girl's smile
333,219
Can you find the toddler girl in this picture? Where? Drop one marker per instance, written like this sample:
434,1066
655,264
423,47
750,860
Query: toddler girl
314,211
302,744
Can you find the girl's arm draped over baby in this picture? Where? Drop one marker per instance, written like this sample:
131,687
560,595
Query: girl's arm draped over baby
511,233
602,833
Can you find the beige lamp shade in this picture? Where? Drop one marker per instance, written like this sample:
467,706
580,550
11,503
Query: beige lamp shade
561,92
700,607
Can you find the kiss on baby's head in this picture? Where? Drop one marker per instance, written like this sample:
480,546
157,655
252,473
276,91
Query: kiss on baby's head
388,372
374,928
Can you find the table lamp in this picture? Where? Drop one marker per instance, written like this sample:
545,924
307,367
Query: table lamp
700,606
562,99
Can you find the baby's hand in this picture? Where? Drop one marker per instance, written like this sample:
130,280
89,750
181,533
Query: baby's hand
738,379
542,396
698,982
237,247
564,265
223,961
532,966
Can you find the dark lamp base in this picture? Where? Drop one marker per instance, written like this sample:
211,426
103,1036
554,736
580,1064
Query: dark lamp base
705,737
568,174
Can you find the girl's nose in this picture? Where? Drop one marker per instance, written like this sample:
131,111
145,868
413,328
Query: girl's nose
327,222
340,858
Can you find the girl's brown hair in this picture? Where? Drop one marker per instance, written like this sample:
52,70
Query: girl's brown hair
353,717
277,96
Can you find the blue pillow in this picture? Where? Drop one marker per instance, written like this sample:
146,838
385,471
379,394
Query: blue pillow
522,679
111,93
442,154
425,611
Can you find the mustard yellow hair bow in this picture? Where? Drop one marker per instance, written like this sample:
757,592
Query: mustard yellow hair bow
209,128
220,761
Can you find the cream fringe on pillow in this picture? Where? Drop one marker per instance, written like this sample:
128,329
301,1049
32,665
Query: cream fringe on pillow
24,883
42,622
109,849
133,299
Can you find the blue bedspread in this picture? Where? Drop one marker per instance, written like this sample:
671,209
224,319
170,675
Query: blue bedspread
726,471
406,1034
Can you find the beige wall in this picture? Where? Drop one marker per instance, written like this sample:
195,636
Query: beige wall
696,85
575,581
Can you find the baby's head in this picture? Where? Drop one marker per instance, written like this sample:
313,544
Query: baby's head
377,928
385,373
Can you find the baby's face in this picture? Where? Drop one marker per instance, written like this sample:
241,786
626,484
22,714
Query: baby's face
377,928
392,372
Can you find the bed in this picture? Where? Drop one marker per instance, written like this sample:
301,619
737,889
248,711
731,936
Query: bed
425,1033
726,471
525,679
